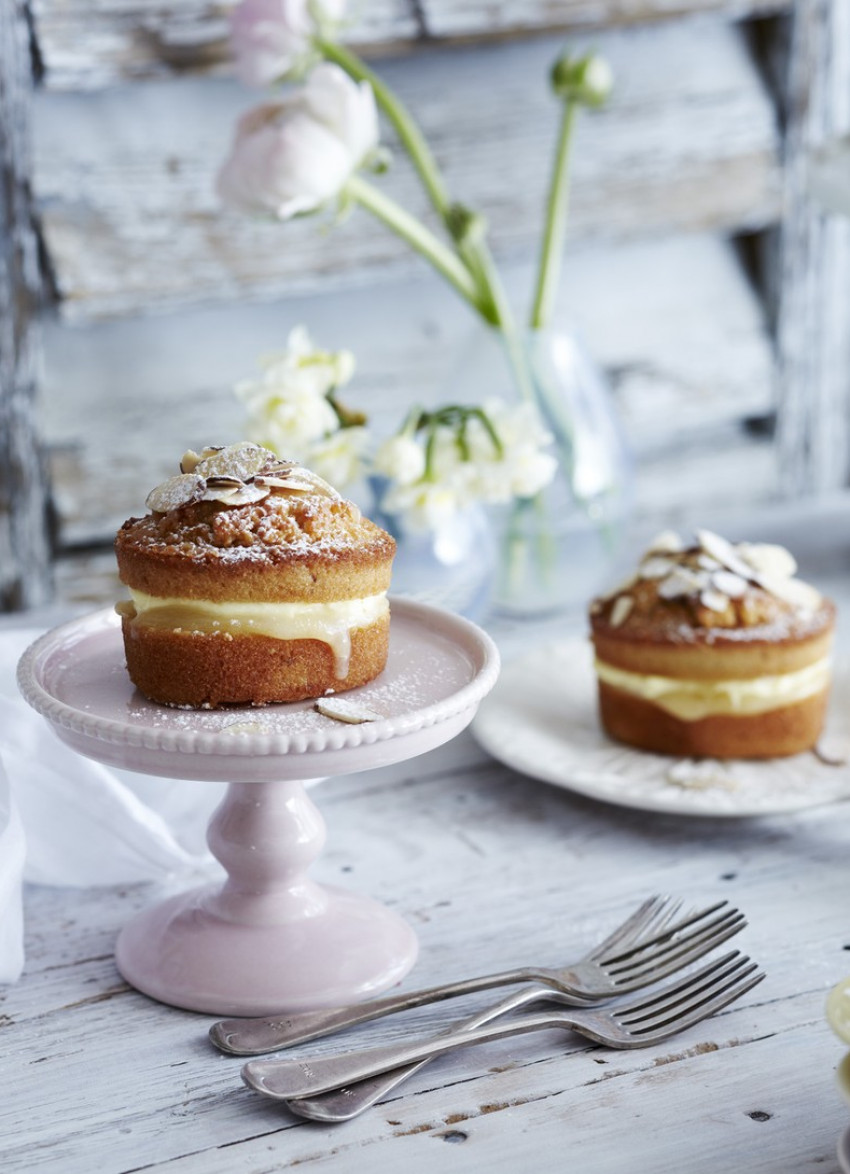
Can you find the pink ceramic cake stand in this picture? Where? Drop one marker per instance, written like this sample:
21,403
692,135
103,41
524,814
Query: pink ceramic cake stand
269,939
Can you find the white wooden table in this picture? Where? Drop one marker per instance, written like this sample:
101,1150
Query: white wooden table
492,870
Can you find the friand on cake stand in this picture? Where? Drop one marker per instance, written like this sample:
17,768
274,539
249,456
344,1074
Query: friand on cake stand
270,939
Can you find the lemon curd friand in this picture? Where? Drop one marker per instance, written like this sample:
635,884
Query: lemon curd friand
251,581
713,649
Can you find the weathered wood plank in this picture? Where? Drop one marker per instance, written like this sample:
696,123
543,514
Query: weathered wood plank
471,18
24,541
125,180
673,321
86,45
493,870
814,323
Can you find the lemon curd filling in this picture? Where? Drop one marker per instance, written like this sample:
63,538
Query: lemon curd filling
332,623
692,700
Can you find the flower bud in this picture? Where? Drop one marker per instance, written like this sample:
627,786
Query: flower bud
587,80
272,39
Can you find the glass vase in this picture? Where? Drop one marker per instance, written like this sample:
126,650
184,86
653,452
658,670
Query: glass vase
453,566
558,549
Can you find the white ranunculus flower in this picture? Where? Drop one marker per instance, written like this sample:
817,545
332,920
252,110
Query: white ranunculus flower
271,39
400,458
293,157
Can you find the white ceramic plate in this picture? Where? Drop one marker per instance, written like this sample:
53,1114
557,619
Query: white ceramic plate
844,1151
541,720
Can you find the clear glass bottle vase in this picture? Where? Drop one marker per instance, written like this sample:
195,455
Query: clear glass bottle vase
556,550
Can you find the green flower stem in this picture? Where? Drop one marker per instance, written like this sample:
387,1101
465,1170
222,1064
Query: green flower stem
556,223
414,232
474,274
411,136
493,305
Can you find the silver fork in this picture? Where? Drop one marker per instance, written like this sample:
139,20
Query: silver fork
645,948
638,1024
341,1104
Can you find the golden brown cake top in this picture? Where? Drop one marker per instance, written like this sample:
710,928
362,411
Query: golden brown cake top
710,591
242,503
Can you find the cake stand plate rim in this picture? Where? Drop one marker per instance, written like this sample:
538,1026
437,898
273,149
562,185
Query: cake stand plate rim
92,732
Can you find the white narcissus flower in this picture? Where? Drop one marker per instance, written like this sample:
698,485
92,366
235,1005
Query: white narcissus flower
271,39
339,457
291,158
304,365
476,461
289,410
288,423
401,458
427,505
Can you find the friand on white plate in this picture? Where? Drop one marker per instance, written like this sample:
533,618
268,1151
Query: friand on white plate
541,719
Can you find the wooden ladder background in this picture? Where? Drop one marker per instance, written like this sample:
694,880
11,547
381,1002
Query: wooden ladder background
700,272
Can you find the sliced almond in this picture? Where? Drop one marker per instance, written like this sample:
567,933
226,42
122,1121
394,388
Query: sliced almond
707,563
175,492
714,600
682,581
343,710
306,481
224,483
247,495
702,775
724,552
241,461
729,583
794,591
271,482
667,542
621,610
189,461
832,751
279,468
765,558
656,568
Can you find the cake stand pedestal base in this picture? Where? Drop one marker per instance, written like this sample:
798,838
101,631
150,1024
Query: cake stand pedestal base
270,939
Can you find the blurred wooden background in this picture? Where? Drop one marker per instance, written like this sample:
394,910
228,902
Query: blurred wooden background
700,272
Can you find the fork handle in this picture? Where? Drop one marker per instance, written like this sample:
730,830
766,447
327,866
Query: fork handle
252,1037
341,1104
290,1079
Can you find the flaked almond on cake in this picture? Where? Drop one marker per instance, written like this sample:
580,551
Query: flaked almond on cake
251,581
713,649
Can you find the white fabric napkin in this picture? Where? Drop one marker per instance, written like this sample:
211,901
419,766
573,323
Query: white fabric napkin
66,820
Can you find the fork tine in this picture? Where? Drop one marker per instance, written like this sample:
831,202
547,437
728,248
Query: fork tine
676,937
736,984
652,1000
664,934
692,989
673,955
648,919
